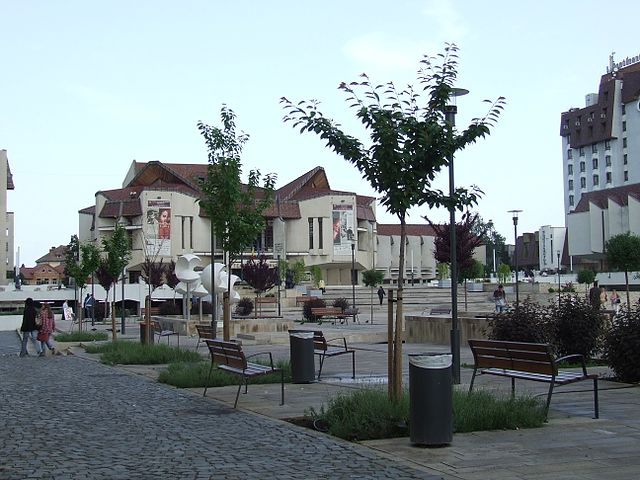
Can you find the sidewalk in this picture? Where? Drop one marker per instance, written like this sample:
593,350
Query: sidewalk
571,445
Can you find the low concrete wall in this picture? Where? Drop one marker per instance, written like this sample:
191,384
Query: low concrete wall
255,325
436,329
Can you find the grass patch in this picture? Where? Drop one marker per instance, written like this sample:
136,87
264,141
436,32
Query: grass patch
194,375
367,414
81,336
134,353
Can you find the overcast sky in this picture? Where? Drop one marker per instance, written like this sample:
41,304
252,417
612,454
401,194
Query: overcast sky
87,87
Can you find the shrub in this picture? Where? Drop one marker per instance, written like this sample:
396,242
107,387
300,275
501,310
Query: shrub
244,306
368,414
314,303
622,345
341,303
576,326
169,308
81,336
133,353
526,323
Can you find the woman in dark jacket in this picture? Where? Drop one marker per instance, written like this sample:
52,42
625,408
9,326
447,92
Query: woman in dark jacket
29,327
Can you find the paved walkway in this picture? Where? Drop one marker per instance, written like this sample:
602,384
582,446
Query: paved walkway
103,422
68,418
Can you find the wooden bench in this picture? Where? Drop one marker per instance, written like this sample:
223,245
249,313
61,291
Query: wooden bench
327,312
228,356
205,332
440,311
153,311
527,361
162,332
326,348
304,299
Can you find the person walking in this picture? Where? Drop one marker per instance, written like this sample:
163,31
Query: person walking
500,298
615,300
381,293
29,327
88,308
48,325
594,296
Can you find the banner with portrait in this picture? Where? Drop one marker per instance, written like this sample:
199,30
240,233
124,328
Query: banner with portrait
158,228
342,218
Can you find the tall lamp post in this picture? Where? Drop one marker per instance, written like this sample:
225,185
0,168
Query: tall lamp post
514,215
558,277
450,118
353,280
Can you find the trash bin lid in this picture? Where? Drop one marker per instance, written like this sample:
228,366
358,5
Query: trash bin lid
431,360
301,334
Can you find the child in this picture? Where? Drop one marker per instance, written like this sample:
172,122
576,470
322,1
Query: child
47,327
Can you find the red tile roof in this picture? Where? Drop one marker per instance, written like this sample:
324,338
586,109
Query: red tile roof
56,254
388,229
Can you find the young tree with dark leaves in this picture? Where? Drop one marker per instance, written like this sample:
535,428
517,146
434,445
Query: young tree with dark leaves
235,210
410,143
260,276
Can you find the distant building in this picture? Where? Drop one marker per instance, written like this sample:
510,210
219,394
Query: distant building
7,248
308,221
601,163
49,269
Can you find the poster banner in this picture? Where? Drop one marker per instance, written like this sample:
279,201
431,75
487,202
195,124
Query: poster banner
158,231
343,229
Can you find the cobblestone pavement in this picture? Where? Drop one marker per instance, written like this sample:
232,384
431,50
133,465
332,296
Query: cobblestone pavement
70,418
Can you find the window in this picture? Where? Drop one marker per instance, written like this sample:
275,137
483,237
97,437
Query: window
191,233
583,182
571,200
624,159
268,235
624,110
582,151
596,180
595,163
624,142
570,184
568,139
594,148
608,177
320,243
607,145
569,154
570,169
310,233
624,126
607,160
582,166
626,176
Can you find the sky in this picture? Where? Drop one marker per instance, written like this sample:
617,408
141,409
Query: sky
88,87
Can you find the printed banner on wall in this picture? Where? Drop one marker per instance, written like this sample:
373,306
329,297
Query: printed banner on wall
343,229
158,231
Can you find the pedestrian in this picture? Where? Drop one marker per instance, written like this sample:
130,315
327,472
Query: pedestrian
594,296
500,298
322,287
89,301
48,325
603,297
615,300
29,327
381,293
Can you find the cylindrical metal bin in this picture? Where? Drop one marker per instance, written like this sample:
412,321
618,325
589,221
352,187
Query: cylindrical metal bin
431,399
302,361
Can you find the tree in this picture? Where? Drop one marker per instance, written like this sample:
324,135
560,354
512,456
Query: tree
494,242
586,276
623,253
410,143
371,278
235,210
153,273
260,276
81,260
117,248
504,271
471,271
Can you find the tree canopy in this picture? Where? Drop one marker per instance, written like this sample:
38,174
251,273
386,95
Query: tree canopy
623,253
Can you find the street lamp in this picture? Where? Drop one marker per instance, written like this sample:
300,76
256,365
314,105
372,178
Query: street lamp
558,277
353,280
450,118
514,214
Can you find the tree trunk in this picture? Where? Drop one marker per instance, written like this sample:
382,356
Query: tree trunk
626,281
395,377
